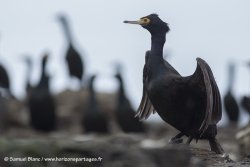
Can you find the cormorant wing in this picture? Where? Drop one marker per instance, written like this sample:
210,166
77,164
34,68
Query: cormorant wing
203,75
75,62
145,108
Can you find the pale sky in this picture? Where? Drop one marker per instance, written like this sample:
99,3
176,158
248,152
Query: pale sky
217,31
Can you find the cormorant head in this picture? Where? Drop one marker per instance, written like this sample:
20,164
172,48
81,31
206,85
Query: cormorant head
152,23
62,18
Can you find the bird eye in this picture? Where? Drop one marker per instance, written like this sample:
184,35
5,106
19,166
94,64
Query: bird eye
146,20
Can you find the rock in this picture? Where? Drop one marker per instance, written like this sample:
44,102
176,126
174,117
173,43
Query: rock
105,151
243,137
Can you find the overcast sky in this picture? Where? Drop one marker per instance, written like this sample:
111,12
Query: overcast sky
217,31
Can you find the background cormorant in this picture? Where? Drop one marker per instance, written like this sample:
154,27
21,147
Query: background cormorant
73,58
190,104
124,112
245,101
41,103
4,81
94,120
28,62
4,78
230,103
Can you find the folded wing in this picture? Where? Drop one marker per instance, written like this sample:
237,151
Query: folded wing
145,108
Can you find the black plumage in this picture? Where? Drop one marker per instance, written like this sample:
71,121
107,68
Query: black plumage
245,101
124,112
4,78
94,120
5,83
230,103
28,63
73,58
191,104
41,103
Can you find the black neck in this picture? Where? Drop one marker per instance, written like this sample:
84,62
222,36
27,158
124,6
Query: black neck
156,53
44,67
44,80
92,95
28,77
230,80
67,31
121,90
157,43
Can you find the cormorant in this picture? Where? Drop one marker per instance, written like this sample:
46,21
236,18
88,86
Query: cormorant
230,103
4,78
245,101
5,82
94,120
41,103
73,58
28,63
191,104
124,111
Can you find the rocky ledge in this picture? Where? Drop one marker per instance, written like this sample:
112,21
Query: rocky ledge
114,150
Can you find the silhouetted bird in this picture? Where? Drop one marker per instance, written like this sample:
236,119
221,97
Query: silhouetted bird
94,120
73,58
5,82
41,103
4,78
230,103
124,112
190,104
245,101
28,63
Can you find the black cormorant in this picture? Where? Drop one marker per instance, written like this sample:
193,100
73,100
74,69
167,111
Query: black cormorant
4,78
190,104
245,101
230,103
73,58
94,120
41,103
124,111
5,82
28,63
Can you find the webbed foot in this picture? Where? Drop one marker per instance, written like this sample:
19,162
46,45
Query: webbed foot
176,139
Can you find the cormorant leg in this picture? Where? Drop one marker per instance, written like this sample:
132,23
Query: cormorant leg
215,146
176,139
190,138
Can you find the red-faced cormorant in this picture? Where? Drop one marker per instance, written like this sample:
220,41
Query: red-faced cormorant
73,58
191,104
94,120
230,103
41,103
124,112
